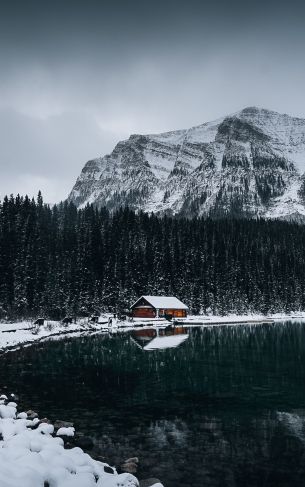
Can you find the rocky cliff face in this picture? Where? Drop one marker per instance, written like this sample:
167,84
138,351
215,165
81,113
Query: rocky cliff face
250,163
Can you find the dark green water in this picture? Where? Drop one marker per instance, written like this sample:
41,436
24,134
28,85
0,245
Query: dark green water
225,408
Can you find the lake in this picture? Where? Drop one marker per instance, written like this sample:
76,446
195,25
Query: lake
211,406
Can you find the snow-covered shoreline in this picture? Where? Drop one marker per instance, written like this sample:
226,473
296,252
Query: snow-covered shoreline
23,333
32,454
13,335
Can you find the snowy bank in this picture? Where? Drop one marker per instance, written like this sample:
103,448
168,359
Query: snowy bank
31,455
235,319
13,335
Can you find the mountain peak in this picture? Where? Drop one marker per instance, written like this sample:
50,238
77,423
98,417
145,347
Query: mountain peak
248,163
255,111
252,110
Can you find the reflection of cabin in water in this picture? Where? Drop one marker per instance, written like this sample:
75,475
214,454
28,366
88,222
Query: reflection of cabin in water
158,306
156,339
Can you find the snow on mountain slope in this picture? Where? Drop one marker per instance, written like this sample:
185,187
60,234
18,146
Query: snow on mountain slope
248,163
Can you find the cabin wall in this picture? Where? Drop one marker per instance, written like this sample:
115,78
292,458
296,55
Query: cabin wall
180,313
151,312
144,313
176,313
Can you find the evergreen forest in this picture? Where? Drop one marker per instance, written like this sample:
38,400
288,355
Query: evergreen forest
58,261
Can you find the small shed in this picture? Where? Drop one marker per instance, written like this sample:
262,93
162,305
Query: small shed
158,306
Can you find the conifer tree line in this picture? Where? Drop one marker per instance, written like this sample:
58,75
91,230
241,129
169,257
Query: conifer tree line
63,261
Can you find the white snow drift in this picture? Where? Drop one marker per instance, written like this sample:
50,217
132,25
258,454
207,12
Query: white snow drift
34,458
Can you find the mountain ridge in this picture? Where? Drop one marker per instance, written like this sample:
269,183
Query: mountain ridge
249,163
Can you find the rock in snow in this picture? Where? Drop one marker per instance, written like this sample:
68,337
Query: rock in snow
249,163
66,431
34,458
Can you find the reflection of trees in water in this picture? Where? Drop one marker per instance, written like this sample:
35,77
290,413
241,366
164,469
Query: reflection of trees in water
257,453
204,411
241,363
257,364
212,451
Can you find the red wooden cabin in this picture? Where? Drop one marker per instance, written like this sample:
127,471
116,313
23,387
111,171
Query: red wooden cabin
158,306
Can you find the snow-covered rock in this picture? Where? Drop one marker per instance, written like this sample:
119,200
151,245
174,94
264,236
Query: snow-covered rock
251,163
7,411
33,457
22,415
66,431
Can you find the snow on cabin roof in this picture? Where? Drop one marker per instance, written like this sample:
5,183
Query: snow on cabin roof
163,302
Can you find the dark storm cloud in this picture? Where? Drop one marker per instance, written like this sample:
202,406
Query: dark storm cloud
77,76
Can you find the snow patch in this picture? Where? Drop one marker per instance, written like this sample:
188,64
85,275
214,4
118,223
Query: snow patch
33,457
66,431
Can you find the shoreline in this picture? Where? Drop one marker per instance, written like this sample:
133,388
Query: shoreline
13,336
20,431
35,452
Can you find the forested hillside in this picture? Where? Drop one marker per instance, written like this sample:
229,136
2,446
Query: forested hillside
60,260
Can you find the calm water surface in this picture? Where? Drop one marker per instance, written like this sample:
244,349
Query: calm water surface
224,408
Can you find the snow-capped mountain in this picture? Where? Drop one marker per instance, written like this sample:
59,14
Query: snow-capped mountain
249,163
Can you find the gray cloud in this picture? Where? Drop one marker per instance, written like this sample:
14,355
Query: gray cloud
76,77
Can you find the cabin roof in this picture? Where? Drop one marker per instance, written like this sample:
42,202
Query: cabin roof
163,302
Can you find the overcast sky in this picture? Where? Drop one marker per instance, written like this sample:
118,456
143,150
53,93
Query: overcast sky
78,76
